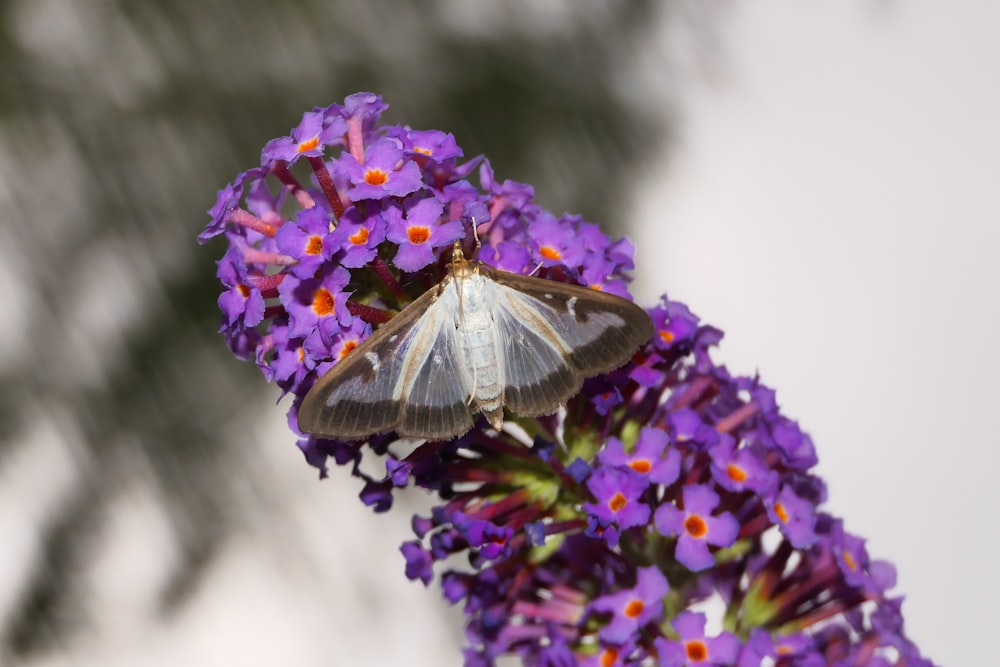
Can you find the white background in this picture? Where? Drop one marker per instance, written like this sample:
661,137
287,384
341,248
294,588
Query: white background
834,207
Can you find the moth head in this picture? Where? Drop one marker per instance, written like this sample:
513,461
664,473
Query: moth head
460,266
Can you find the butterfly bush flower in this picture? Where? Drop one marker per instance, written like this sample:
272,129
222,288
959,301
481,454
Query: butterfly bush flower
668,515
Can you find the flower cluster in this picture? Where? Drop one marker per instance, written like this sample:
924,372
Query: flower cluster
666,516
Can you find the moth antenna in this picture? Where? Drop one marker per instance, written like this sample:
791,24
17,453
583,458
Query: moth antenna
536,269
475,236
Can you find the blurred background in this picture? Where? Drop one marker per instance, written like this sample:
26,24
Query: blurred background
817,179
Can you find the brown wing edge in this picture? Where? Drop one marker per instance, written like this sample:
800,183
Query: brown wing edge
611,350
354,420
623,341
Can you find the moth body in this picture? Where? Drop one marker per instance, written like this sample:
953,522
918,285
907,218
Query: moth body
480,344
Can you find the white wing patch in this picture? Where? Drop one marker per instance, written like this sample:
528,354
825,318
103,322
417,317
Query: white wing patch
539,340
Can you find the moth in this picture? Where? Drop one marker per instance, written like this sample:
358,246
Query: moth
480,341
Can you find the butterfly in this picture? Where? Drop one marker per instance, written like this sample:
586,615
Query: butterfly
480,341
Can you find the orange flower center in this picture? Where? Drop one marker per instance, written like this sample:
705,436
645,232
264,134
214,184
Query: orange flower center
243,290
418,235
695,526
851,563
359,237
548,252
314,246
666,336
782,513
634,608
736,473
422,151
696,650
375,177
641,466
308,144
617,502
348,346
609,657
323,302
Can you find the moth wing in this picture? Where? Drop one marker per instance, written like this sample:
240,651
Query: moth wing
435,387
556,335
393,381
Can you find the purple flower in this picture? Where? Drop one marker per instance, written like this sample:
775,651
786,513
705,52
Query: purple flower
398,471
852,558
622,253
455,586
310,138
694,648
535,532
796,517
263,203
647,458
607,400
377,494
241,300
506,256
383,174
434,144
418,562
595,241
308,241
687,427
612,655
634,608
617,492
463,201
762,646
673,323
697,527
796,447
358,236
333,341
511,200
554,243
492,540
579,470
227,202
364,107
311,301
417,228
598,274
736,469
287,365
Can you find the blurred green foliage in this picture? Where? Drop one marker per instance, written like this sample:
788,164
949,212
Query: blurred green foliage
119,121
